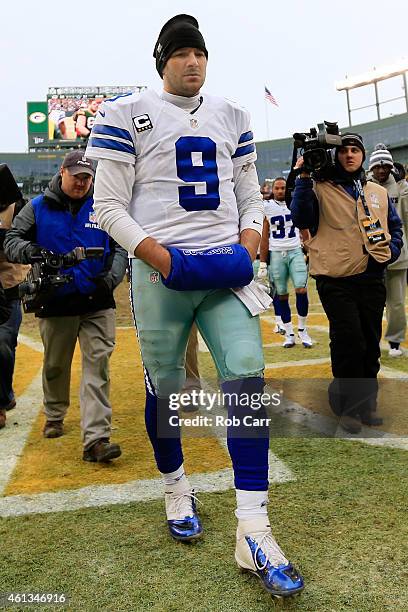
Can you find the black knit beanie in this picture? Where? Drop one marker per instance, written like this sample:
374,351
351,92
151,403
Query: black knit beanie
180,31
353,140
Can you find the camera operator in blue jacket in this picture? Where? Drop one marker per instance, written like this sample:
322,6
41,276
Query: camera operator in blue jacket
59,220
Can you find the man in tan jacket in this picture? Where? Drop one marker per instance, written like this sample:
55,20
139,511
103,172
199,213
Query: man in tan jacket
355,234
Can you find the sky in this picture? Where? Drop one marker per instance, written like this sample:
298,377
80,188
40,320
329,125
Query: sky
298,49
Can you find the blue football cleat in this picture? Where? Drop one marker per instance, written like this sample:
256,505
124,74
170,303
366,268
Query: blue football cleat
258,552
182,518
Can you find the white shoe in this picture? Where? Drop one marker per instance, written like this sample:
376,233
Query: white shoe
258,552
305,338
182,519
289,341
393,352
278,329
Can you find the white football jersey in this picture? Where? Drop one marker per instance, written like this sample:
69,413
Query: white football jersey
283,235
183,189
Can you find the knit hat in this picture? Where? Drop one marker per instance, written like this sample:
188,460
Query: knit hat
180,31
380,157
353,140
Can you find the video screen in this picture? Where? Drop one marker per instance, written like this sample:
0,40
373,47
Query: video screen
71,118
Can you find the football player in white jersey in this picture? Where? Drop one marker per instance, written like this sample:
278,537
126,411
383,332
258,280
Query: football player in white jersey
286,261
177,186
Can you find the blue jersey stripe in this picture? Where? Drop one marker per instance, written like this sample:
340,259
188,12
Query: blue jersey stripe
105,143
244,150
245,137
110,130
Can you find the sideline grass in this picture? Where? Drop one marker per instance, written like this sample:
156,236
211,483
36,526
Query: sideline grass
343,522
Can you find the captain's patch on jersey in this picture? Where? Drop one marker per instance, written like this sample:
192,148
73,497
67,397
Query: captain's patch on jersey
142,123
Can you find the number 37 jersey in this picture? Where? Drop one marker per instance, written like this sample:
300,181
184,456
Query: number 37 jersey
283,235
183,191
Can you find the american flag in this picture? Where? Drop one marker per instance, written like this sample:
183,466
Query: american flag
270,97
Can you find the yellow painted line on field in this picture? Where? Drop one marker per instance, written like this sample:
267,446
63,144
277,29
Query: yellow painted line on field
54,464
268,335
28,362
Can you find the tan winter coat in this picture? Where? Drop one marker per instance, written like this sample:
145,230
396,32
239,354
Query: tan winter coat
10,274
341,246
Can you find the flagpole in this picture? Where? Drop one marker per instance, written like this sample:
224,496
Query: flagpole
266,118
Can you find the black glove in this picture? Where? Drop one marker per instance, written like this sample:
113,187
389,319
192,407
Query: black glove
35,253
104,285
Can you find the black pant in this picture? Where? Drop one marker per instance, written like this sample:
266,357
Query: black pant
8,344
354,307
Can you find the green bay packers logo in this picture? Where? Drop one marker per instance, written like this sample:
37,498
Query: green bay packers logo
37,117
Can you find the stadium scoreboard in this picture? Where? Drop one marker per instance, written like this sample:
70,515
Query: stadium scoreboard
52,124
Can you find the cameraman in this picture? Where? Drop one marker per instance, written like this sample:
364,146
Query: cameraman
355,234
11,275
60,220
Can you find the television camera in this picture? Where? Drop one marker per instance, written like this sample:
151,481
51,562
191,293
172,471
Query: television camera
47,274
316,147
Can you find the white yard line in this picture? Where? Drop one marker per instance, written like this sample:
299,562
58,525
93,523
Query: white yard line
388,372
134,491
329,426
202,347
299,363
36,345
19,423
104,495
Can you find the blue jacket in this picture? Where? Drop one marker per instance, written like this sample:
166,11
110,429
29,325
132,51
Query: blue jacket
59,231
305,215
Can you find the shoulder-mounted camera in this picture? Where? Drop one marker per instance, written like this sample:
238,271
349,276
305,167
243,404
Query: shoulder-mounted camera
45,275
316,147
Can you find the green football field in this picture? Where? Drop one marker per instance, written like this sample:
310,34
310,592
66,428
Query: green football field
339,513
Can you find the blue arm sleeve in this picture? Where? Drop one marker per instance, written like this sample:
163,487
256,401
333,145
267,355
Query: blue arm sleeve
304,207
395,229
217,268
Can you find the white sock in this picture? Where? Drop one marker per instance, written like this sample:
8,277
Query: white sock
176,480
288,328
251,504
301,323
278,320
